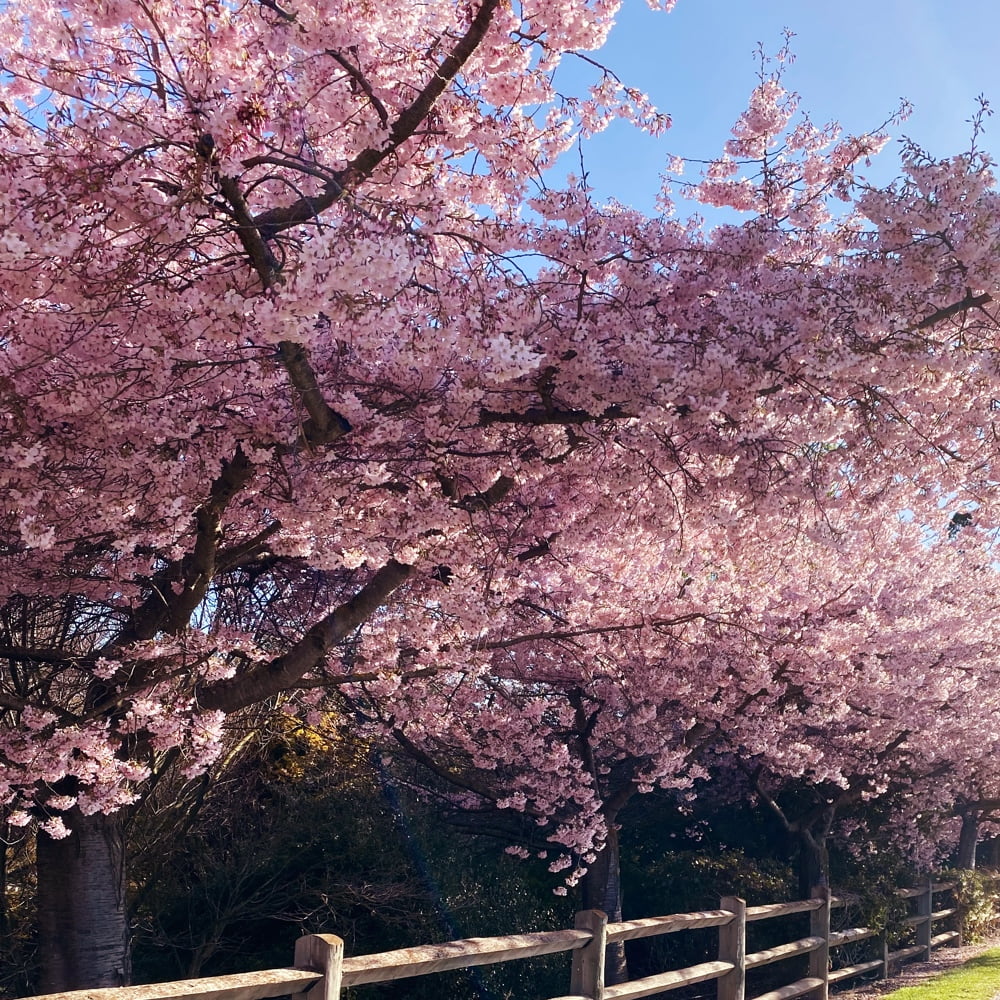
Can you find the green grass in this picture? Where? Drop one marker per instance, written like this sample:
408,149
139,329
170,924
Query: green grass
977,979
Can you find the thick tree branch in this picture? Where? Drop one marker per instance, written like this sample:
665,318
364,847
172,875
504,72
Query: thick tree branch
248,233
14,704
536,416
771,801
34,654
280,11
969,302
324,424
200,569
488,497
617,800
274,221
268,679
166,609
233,556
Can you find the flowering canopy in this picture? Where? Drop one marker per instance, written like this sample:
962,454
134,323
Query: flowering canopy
296,351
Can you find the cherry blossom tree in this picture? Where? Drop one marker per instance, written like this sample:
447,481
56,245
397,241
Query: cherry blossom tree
839,658
279,333
253,320
905,708
961,802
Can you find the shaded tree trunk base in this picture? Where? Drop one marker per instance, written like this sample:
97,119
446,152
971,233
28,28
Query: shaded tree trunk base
82,921
968,840
814,863
602,890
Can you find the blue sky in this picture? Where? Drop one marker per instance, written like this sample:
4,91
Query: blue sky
855,60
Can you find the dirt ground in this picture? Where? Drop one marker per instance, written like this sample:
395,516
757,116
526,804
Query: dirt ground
917,972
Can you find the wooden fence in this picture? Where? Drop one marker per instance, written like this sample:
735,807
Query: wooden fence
321,972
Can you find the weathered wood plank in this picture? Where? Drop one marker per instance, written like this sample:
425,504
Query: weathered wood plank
837,938
242,986
819,958
322,953
795,989
944,938
855,970
732,949
841,901
781,951
422,961
782,909
925,907
904,953
587,972
667,981
628,930
941,914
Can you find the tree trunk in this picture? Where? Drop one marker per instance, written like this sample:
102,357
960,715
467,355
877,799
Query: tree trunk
968,838
814,862
992,850
4,853
602,890
82,922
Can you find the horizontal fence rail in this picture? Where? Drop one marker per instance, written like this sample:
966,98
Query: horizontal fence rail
243,986
629,930
321,972
465,954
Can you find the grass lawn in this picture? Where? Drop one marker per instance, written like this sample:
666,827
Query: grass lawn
977,979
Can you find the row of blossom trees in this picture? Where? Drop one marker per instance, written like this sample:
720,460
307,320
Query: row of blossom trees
311,382
844,657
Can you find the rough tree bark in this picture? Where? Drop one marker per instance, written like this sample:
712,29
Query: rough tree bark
4,851
992,853
82,921
968,838
602,890
810,833
814,861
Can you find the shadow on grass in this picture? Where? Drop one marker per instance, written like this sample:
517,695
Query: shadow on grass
988,960
976,979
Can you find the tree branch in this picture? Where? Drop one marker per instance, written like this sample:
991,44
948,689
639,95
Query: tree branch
248,233
164,608
324,424
536,416
969,302
268,679
232,556
362,82
275,220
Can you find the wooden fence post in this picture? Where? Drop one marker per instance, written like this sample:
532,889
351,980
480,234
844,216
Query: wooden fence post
819,926
322,953
587,975
733,948
925,907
